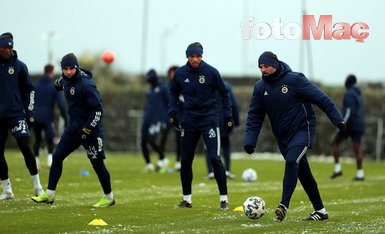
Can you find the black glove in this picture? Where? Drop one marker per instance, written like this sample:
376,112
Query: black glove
30,122
229,124
174,121
85,133
249,148
341,127
58,85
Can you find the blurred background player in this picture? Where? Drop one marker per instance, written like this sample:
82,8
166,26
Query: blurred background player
85,128
16,112
45,98
199,82
170,76
154,120
225,134
354,116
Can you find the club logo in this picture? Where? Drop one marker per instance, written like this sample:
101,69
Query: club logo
11,70
202,79
284,89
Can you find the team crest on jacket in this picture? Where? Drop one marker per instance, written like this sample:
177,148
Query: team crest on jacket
11,70
72,91
202,79
284,89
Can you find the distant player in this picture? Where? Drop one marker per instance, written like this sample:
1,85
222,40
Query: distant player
354,116
85,128
46,97
154,120
170,75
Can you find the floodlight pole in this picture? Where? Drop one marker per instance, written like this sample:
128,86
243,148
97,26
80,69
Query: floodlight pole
305,46
143,55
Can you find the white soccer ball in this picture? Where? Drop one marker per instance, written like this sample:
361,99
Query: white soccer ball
249,175
254,207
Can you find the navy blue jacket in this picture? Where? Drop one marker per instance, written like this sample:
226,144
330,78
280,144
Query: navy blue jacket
45,98
155,109
84,103
234,111
355,117
16,90
286,98
198,88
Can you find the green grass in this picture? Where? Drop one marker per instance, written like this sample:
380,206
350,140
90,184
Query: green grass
145,201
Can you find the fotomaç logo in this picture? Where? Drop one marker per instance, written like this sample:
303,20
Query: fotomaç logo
338,31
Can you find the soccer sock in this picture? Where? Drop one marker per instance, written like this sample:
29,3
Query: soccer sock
337,167
36,181
7,185
49,159
223,198
187,198
51,193
322,211
37,162
360,173
109,196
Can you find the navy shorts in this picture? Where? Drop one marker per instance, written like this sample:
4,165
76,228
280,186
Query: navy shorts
355,135
18,127
94,146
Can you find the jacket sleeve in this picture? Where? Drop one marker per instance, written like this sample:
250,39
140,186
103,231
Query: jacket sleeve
225,96
174,92
94,103
61,104
311,92
349,106
27,91
255,118
234,106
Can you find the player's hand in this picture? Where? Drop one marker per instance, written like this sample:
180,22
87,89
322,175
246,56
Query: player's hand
229,124
30,122
58,85
174,121
249,148
341,127
85,133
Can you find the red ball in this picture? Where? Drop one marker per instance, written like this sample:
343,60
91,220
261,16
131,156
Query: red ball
108,56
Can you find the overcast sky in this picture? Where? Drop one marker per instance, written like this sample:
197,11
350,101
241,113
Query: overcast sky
91,26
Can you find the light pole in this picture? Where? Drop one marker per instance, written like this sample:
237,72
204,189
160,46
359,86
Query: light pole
143,55
50,35
163,47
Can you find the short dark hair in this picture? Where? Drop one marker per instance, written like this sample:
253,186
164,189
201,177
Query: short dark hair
172,68
48,68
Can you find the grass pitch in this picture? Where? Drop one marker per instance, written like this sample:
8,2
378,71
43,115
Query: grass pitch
145,201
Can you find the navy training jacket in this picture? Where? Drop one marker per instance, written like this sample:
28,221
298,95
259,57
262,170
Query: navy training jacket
45,98
287,101
198,88
155,109
354,101
84,103
234,111
17,94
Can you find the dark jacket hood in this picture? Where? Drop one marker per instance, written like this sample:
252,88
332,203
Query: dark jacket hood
282,69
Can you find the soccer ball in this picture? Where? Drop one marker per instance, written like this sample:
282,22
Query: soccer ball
254,207
249,175
108,56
